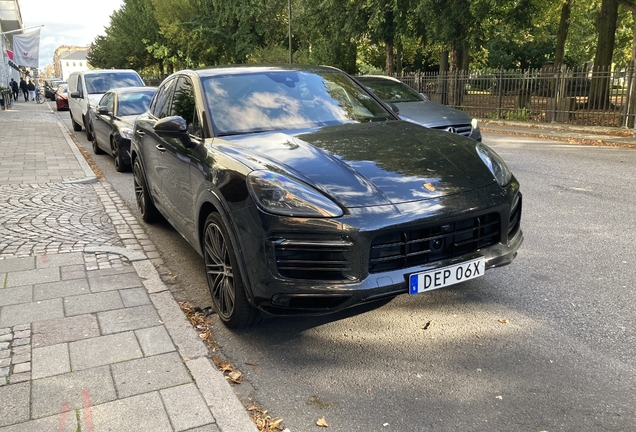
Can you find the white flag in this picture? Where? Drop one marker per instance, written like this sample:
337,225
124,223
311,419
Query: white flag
26,49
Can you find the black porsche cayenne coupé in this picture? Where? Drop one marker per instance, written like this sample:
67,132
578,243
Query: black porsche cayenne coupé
305,194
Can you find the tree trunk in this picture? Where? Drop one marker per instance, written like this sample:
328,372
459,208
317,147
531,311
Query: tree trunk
632,96
442,81
389,57
457,58
562,33
465,57
599,88
398,60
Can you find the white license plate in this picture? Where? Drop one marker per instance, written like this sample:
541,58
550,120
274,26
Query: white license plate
445,276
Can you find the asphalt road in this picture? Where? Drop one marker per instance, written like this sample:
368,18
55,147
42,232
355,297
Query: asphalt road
545,344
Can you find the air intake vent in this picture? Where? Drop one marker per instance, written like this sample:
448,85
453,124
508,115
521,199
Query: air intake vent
313,259
515,217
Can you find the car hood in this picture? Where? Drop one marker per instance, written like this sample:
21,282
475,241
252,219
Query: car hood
93,99
128,120
432,114
361,165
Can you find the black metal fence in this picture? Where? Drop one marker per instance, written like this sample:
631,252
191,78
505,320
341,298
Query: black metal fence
584,96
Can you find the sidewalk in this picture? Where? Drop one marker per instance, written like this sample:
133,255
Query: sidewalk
587,135
90,337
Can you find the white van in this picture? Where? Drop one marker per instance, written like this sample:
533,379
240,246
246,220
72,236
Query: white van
86,88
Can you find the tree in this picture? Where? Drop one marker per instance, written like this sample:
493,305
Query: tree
600,85
132,28
562,33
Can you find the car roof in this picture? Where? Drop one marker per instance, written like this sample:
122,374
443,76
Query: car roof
101,71
137,89
376,78
241,69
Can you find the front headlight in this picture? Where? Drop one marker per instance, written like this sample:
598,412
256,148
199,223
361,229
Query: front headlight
126,133
495,164
280,195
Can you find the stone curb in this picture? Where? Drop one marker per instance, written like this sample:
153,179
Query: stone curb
88,172
571,138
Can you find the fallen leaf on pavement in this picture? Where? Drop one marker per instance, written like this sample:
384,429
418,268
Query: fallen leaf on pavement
236,376
322,422
426,326
504,321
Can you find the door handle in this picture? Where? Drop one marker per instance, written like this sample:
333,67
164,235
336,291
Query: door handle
161,148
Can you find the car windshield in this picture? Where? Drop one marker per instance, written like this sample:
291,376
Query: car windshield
391,91
102,82
134,103
280,100
62,88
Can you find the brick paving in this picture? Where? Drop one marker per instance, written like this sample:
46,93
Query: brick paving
90,338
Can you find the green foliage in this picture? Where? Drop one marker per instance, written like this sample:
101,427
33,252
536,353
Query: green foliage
518,114
160,36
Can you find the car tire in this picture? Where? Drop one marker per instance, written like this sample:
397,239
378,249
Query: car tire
120,166
149,212
227,289
89,132
76,126
96,148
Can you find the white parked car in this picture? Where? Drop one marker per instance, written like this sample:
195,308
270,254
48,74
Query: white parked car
86,88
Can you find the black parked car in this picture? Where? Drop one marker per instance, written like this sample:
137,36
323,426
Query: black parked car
305,195
50,86
112,121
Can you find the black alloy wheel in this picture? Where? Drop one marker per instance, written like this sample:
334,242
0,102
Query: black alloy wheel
149,212
224,278
120,166
96,148
76,126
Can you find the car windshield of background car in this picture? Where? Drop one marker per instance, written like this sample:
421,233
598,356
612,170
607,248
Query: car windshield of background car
134,103
394,92
284,100
62,89
101,83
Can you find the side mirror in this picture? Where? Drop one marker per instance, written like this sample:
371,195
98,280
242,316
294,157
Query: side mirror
424,96
173,127
102,110
77,95
394,107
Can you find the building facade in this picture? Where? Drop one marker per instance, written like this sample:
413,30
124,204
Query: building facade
68,59
10,20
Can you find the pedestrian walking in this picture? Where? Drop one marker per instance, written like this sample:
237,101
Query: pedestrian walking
25,89
15,89
31,87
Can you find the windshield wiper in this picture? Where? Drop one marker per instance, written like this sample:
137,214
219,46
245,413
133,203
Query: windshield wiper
247,132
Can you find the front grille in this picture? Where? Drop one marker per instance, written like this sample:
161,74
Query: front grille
463,129
402,249
313,259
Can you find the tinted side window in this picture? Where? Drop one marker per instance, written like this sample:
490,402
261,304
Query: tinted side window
161,105
80,86
107,101
110,103
184,105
